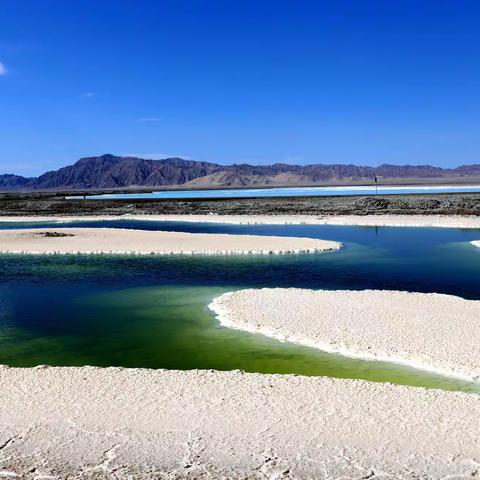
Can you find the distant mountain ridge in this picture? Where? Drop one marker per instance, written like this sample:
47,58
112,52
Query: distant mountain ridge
112,172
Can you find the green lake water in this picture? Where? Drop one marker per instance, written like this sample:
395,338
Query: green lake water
152,311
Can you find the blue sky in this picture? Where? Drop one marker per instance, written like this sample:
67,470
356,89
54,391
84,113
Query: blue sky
228,81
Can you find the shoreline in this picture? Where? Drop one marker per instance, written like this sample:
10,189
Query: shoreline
369,324
52,241
447,221
139,423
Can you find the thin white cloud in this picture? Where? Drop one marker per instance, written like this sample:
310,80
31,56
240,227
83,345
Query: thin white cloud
155,156
88,94
3,69
148,119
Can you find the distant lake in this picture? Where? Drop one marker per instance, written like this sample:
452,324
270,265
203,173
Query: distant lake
290,192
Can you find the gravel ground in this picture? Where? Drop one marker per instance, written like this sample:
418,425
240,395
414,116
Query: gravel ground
431,204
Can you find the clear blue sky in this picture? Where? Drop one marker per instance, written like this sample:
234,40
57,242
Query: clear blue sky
254,81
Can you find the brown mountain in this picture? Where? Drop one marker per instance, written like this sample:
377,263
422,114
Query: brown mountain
109,171
113,172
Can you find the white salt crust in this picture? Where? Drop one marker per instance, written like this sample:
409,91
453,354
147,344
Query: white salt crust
106,423
447,221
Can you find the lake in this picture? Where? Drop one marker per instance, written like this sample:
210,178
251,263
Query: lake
289,192
152,311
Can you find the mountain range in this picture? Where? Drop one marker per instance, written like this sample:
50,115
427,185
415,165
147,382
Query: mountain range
115,172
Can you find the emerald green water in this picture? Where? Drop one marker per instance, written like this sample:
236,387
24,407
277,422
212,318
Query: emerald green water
152,311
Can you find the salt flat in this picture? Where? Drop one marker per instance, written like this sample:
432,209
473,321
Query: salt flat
134,423
436,332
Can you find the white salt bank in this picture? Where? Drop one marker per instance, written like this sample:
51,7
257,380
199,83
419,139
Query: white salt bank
436,332
141,242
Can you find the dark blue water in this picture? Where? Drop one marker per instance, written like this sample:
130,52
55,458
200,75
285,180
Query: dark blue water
438,260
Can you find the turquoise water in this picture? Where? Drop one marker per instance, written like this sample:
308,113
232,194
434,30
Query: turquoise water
289,192
152,311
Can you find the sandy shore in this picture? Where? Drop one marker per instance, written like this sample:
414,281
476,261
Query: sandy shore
435,332
111,423
367,220
142,242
